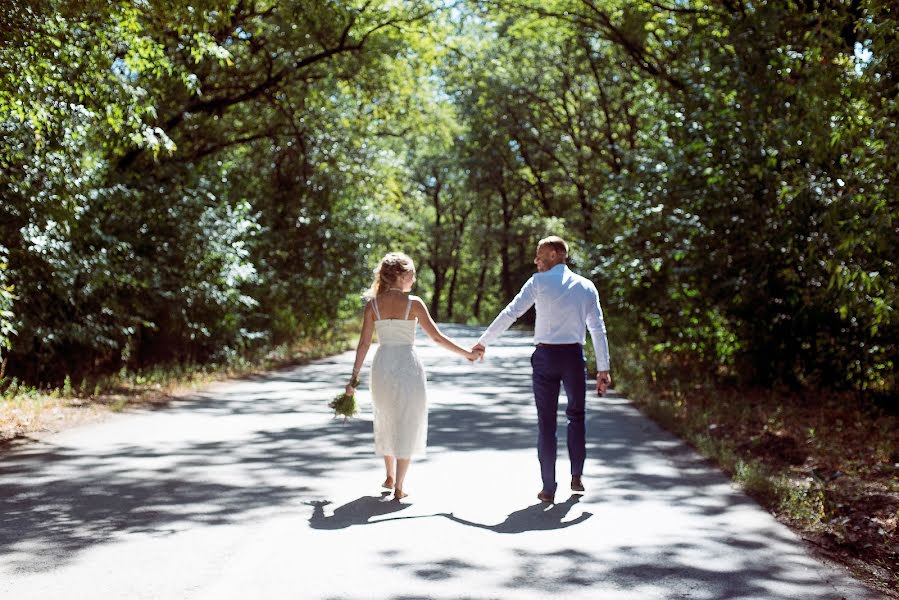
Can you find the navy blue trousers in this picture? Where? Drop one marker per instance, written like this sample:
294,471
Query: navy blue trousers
556,366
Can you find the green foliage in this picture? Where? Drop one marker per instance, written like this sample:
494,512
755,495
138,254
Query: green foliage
187,183
725,168
184,184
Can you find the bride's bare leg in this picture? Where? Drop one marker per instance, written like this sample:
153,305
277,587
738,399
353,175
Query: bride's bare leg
402,465
390,467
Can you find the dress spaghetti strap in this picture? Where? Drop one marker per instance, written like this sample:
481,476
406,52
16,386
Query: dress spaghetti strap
374,305
408,308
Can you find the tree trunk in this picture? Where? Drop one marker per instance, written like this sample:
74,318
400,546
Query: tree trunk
454,253
436,262
439,282
505,273
485,260
482,279
451,297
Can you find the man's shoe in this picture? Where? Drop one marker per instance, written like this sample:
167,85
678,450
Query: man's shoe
546,497
576,485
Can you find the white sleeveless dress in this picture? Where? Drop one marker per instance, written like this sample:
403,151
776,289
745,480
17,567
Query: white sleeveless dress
398,388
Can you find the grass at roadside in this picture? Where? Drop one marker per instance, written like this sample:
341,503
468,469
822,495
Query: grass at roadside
25,409
826,464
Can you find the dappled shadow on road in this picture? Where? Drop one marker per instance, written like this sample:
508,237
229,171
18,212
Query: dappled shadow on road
78,499
665,572
651,571
435,571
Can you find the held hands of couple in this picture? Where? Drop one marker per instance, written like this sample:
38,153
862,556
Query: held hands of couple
476,352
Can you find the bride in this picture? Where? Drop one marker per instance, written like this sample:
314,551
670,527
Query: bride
398,387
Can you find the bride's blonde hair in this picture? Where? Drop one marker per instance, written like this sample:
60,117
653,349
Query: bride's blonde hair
388,272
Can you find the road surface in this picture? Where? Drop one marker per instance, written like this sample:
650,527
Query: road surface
250,489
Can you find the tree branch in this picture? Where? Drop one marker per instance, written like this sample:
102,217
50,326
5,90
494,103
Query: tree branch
213,148
219,104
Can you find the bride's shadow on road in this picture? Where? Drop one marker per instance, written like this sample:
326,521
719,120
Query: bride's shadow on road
362,510
357,512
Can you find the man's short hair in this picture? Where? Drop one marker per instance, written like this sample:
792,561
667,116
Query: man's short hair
554,242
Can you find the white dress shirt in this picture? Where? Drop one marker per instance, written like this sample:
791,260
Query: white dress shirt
567,305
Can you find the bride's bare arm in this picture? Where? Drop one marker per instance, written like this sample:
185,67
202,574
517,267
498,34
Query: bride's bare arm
368,327
430,327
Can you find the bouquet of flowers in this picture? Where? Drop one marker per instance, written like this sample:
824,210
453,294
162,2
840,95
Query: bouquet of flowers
344,405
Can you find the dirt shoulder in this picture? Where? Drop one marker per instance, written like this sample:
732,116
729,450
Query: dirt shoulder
827,466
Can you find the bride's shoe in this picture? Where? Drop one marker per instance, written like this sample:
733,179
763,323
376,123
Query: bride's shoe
388,483
399,494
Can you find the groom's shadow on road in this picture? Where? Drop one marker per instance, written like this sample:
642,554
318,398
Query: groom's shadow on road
533,518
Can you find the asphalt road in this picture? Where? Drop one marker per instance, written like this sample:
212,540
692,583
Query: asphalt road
250,489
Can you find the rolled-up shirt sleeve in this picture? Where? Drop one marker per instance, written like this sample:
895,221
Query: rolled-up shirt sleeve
517,307
596,325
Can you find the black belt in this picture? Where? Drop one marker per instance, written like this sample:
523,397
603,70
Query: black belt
542,345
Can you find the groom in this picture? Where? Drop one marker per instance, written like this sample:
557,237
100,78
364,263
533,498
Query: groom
567,304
